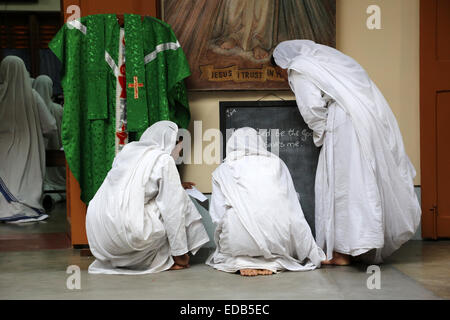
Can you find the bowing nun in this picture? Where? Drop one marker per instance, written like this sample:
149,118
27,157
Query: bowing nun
260,226
365,206
25,123
141,220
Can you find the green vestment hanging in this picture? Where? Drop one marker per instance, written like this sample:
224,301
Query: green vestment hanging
88,49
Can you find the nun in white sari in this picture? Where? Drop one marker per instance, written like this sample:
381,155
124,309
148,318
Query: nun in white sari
25,123
141,219
55,177
260,227
365,200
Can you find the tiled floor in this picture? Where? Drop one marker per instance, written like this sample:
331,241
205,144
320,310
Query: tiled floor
419,270
56,223
427,262
48,234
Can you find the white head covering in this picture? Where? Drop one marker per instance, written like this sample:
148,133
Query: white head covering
322,63
14,79
22,150
160,137
287,51
44,86
246,142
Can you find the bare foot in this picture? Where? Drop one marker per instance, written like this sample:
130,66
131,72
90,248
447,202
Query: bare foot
260,53
182,260
264,272
228,44
178,267
248,272
339,259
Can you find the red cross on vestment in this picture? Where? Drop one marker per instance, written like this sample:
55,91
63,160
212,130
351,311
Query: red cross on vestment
136,85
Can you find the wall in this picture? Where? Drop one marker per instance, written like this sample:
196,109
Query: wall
390,56
41,5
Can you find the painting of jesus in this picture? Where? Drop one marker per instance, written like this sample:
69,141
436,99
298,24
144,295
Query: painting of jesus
229,42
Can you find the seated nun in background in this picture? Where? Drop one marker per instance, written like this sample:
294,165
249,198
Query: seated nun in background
260,227
366,206
25,122
141,220
55,177
31,80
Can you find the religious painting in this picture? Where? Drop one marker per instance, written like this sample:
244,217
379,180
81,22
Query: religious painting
229,42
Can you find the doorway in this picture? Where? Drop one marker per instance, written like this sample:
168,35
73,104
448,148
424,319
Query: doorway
434,117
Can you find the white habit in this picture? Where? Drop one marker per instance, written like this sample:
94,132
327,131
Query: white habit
55,177
141,216
365,200
25,122
258,217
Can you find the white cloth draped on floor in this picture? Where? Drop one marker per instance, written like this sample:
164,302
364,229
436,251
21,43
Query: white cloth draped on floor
55,177
259,220
364,188
141,216
25,122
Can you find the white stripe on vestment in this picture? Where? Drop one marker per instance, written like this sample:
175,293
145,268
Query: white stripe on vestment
112,64
77,25
120,102
161,47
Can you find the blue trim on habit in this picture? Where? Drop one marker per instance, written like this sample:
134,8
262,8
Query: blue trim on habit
10,198
17,218
4,190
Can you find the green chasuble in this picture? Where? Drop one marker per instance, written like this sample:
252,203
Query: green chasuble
153,73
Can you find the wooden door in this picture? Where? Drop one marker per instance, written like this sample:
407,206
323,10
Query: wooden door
76,209
435,117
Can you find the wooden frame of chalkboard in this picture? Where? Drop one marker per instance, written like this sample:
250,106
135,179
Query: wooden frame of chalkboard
295,140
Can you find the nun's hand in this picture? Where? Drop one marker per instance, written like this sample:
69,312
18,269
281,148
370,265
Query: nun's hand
187,185
177,150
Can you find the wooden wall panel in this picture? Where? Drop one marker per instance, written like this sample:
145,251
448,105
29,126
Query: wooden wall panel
434,117
443,164
88,7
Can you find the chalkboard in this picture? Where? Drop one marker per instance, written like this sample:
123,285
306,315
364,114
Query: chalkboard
293,140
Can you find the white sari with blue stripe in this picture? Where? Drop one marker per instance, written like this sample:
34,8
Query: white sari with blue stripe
25,120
